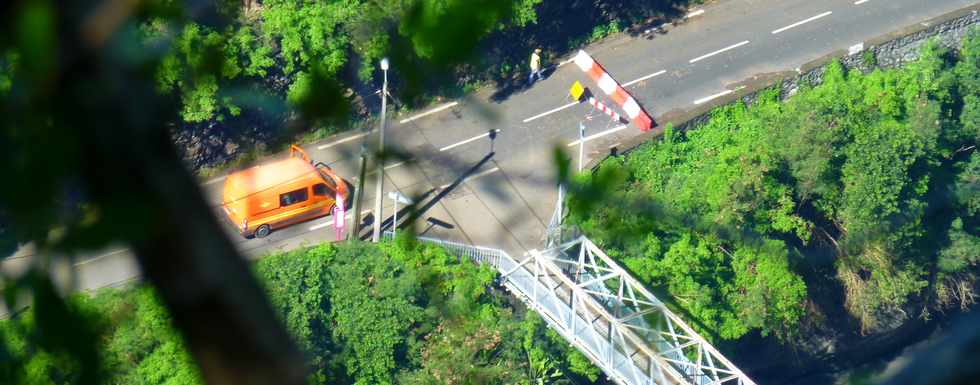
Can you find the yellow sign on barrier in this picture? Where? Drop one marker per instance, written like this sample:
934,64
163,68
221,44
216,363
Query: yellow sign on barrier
577,90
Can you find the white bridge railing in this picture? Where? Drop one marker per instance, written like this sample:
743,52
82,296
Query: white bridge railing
607,315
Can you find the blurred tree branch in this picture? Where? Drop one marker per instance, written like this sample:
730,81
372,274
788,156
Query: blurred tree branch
86,140
82,117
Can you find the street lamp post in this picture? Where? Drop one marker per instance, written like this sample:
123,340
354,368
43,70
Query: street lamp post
381,146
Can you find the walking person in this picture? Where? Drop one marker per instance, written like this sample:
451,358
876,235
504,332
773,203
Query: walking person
535,67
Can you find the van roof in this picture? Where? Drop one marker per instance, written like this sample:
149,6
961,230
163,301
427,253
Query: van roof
266,177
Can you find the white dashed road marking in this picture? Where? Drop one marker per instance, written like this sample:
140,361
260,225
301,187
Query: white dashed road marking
388,167
801,22
599,135
344,140
550,111
627,84
632,82
454,145
429,112
731,47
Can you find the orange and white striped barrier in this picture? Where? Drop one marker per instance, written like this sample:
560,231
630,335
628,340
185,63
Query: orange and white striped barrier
614,90
602,107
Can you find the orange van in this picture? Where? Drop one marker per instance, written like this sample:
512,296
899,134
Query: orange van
272,196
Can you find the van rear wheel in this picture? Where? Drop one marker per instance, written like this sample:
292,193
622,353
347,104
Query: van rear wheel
262,231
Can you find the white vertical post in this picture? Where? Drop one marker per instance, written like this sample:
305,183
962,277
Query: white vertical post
398,198
581,146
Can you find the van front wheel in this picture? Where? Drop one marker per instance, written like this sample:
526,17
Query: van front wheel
262,231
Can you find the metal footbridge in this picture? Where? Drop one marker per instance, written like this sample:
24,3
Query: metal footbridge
605,313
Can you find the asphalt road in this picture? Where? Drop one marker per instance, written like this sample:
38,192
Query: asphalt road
507,201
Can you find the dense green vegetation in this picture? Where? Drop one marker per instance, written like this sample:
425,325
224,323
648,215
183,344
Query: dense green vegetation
273,57
364,314
294,42
867,183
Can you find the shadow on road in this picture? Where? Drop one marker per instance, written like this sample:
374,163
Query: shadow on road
414,211
563,27
508,87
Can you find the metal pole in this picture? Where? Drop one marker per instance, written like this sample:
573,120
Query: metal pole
359,196
394,223
381,145
561,212
581,146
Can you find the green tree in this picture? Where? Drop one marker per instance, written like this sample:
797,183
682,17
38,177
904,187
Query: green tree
297,287
856,167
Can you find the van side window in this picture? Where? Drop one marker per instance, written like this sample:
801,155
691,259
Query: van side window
320,190
293,197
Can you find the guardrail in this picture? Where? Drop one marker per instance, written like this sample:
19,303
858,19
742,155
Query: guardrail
478,254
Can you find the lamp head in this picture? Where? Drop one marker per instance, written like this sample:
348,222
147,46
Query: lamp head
384,64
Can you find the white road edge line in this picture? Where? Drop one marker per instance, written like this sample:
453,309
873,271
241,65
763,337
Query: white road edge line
859,2
100,257
718,95
474,176
551,111
694,13
215,180
322,225
429,112
388,167
454,145
632,82
344,140
733,46
330,222
712,97
599,135
393,165
801,22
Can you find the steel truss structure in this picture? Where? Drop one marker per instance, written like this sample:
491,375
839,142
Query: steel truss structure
608,315
603,311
